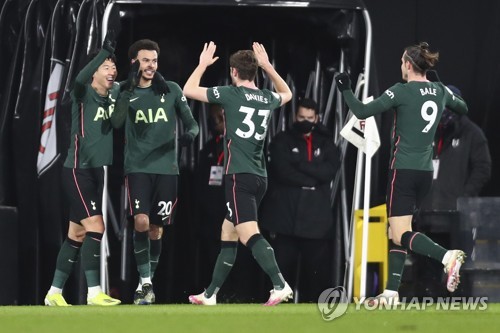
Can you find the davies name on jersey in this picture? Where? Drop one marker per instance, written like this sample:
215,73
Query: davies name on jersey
257,98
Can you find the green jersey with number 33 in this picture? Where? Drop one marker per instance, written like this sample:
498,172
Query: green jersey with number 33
418,108
247,113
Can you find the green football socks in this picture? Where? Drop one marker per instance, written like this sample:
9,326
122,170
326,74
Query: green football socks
264,254
421,244
68,255
154,254
141,252
223,266
91,258
397,257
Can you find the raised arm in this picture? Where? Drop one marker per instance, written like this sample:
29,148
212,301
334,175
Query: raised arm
279,84
358,108
85,75
192,87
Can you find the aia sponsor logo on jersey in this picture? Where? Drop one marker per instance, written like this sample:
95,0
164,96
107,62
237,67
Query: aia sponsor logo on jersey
103,114
150,117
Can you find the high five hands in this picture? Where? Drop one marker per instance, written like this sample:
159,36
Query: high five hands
260,54
207,55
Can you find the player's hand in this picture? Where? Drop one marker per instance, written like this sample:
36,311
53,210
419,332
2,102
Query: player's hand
343,81
109,42
134,76
207,55
261,54
160,86
185,139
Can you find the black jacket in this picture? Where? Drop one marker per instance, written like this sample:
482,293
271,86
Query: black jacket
298,200
464,165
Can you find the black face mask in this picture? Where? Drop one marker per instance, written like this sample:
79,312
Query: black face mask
447,118
303,127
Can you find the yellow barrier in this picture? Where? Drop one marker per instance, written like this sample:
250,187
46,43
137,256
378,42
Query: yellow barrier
377,245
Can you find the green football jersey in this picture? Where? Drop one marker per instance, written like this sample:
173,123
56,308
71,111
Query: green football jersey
418,107
150,130
91,143
247,113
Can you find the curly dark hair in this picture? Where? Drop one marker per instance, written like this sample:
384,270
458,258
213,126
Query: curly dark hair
142,44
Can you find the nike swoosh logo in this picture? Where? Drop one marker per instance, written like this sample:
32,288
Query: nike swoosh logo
71,260
140,251
133,99
108,300
164,217
228,264
97,255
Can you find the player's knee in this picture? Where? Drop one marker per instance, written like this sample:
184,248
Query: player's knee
228,232
244,239
250,240
229,236
77,235
155,232
141,222
396,239
246,231
96,227
94,224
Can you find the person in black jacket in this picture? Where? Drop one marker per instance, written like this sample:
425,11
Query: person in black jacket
297,210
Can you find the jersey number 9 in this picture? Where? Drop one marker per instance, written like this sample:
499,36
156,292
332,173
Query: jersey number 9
429,117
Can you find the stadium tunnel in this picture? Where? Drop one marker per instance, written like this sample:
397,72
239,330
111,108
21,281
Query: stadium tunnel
308,40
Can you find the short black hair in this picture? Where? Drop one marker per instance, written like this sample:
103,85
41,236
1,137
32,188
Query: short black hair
94,53
308,103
